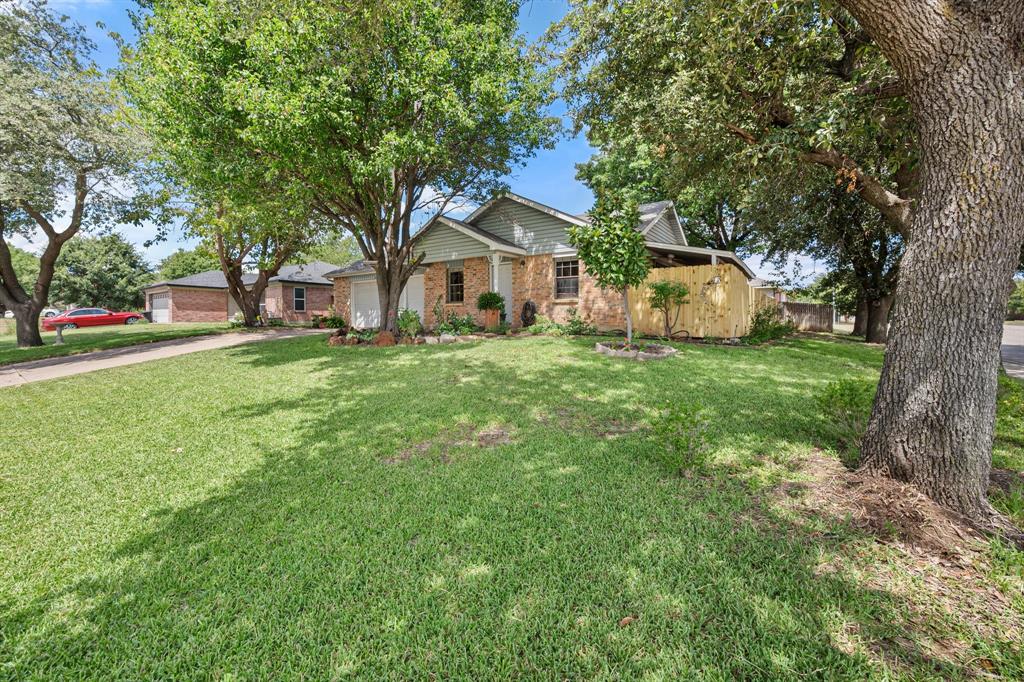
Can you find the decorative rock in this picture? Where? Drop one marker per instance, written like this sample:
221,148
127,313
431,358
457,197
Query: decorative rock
431,340
419,341
336,341
447,338
384,338
651,351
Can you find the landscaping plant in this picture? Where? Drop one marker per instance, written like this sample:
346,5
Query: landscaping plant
614,252
409,322
577,325
767,324
493,305
846,407
668,297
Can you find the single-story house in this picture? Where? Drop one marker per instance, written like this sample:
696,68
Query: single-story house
768,289
295,294
519,248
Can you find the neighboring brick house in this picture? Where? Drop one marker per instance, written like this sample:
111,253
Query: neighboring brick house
296,294
519,248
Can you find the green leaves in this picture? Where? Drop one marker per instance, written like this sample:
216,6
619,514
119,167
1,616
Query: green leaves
611,247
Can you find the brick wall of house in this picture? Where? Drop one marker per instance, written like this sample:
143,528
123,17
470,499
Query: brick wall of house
476,278
342,296
318,300
533,278
199,305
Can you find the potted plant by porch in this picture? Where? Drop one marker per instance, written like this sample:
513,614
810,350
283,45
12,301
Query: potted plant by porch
493,304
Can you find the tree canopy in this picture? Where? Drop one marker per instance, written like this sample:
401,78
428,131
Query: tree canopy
105,272
372,116
68,160
185,262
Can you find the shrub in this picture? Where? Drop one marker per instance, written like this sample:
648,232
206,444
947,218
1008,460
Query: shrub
333,321
545,325
577,325
767,325
490,300
409,322
457,324
668,297
846,407
237,320
683,431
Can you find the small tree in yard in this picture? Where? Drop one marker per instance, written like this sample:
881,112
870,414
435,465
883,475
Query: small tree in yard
668,297
613,250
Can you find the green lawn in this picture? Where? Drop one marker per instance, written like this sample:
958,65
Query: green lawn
285,510
101,338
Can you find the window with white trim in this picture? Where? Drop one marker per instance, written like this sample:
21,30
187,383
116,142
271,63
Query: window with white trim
567,278
299,299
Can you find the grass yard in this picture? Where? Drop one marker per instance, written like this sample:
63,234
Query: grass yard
101,338
284,510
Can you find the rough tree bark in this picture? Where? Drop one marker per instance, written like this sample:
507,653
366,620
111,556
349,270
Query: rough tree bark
962,65
629,315
860,320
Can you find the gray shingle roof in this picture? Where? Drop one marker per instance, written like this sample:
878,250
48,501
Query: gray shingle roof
307,273
357,267
650,212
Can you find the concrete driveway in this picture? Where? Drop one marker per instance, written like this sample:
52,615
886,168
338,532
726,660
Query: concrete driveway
54,368
1013,350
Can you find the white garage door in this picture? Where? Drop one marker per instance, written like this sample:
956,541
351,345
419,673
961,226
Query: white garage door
160,304
366,304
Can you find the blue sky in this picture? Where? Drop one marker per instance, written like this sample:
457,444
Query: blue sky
548,177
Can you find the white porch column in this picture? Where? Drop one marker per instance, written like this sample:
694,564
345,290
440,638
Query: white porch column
495,261
714,259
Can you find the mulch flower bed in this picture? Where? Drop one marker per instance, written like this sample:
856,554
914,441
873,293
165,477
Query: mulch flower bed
635,351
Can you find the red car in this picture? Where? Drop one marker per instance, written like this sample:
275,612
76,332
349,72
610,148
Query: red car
89,317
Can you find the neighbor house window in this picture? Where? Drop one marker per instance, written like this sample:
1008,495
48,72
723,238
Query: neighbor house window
567,278
456,287
299,299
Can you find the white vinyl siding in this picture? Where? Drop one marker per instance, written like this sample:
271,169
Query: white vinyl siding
533,230
444,243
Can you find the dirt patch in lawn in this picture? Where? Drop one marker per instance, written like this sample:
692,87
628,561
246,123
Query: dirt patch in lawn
889,510
464,435
568,419
927,557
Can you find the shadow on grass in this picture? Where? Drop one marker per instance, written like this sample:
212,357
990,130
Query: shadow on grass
527,559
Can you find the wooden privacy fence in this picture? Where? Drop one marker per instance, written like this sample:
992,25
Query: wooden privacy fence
720,302
811,317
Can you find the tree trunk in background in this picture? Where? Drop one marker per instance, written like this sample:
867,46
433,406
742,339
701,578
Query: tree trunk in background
26,318
876,328
933,417
860,321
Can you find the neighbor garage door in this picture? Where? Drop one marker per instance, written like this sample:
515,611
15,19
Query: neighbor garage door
160,304
366,304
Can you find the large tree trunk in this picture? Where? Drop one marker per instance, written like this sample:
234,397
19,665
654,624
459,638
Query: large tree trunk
876,327
390,283
932,422
26,322
860,320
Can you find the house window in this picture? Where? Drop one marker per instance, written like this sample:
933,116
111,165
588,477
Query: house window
299,299
567,278
456,288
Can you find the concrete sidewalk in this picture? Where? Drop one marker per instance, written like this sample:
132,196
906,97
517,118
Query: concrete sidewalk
1012,350
54,368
